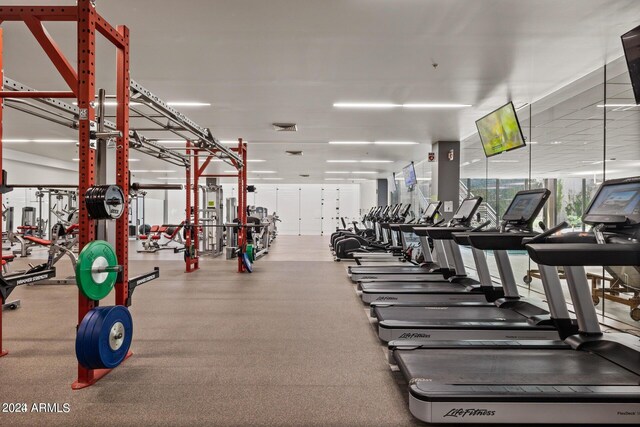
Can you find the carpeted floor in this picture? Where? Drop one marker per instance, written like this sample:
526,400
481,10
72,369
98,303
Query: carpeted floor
286,345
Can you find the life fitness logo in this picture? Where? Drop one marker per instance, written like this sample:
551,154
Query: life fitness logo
461,413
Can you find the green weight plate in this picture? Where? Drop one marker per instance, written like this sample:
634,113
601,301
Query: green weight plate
97,254
250,253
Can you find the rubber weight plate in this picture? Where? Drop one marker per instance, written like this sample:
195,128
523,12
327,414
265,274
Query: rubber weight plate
251,253
97,254
104,337
247,262
113,201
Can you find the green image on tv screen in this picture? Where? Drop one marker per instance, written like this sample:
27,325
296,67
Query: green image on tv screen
500,131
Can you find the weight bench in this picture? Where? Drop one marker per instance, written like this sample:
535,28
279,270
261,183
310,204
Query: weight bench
154,242
20,238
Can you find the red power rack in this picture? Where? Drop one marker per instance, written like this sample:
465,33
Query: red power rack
82,85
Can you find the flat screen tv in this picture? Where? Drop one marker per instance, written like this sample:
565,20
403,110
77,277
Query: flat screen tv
631,46
409,173
500,131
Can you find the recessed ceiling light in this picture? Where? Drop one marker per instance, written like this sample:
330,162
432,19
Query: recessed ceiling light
231,141
75,160
594,172
342,161
350,142
336,172
376,161
357,179
388,105
171,141
395,143
188,104
255,161
134,160
363,172
42,140
436,105
365,105
423,179
617,105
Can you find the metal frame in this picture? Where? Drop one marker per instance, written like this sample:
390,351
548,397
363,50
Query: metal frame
239,161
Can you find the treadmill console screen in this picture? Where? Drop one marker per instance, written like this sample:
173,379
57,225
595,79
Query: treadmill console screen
526,205
467,209
431,210
617,201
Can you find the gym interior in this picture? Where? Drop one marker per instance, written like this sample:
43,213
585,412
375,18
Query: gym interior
336,212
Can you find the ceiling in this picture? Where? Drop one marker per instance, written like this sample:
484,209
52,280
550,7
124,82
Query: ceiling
258,62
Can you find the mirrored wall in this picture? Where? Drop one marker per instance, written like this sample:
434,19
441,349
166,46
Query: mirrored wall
578,136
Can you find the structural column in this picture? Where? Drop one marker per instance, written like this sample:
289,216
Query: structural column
445,178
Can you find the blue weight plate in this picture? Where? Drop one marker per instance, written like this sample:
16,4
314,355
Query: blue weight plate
109,357
93,348
247,263
80,337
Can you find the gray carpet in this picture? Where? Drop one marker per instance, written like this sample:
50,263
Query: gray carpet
287,345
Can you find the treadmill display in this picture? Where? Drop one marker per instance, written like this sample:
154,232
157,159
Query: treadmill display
618,199
431,210
467,208
525,206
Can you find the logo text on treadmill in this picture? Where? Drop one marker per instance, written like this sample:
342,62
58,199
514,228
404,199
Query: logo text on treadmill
411,335
461,413
386,299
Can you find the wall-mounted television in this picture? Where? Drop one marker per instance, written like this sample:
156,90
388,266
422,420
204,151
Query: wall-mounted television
409,173
631,46
500,131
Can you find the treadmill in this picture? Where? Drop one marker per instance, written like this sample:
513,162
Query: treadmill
400,230
461,219
510,317
450,286
590,378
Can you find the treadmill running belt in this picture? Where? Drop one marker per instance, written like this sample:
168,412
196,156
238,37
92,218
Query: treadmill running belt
390,287
511,367
467,313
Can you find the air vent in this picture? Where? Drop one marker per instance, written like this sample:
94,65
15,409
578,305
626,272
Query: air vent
304,175
293,153
285,127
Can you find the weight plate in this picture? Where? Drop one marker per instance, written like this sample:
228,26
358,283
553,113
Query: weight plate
97,254
250,252
104,337
247,263
113,201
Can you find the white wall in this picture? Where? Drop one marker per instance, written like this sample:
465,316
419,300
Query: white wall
305,209
368,196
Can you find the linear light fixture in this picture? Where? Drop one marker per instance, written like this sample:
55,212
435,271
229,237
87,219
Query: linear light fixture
335,172
334,179
235,171
365,172
594,172
390,105
152,170
42,140
617,105
376,161
395,143
131,160
188,104
436,105
350,142
342,161
271,179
